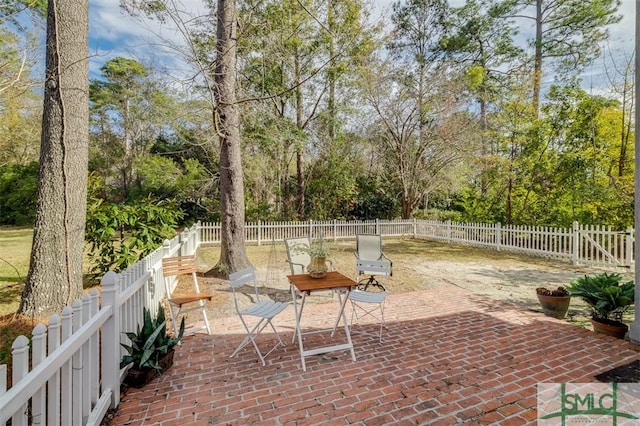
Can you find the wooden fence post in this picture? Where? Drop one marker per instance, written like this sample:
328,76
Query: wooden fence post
76,365
110,345
20,365
498,236
629,240
576,243
39,354
66,402
259,230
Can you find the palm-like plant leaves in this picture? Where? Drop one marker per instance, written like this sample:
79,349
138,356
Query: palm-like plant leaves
607,298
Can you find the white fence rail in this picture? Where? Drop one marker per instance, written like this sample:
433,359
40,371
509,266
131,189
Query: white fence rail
75,371
594,245
75,375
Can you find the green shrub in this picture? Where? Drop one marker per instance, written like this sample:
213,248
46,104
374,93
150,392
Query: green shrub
18,189
121,234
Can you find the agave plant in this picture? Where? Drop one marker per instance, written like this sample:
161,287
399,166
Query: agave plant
150,342
606,297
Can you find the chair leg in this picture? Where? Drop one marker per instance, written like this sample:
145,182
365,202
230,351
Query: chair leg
251,337
355,307
204,316
174,318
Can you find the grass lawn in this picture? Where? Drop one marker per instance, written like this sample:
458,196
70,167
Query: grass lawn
14,265
15,250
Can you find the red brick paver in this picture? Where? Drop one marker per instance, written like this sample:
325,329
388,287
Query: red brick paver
448,357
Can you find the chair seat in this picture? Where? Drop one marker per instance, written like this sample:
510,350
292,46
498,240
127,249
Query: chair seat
188,298
265,309
367,296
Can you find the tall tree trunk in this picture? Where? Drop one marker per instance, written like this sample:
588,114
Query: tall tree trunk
233,255
537,71
331,75
55,272
299,156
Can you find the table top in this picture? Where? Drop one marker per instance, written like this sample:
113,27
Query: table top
333,279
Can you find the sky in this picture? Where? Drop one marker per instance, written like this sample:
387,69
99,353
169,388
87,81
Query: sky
112,32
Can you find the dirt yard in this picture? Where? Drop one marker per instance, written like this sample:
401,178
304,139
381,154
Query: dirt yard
417,265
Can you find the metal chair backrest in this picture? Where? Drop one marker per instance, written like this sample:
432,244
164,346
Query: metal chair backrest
240,278
298,254
369,246
265,310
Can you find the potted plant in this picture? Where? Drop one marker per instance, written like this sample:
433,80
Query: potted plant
318,252
151,349
607,299
555,303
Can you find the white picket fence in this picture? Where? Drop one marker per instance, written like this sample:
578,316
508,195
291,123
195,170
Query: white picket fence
69,374
580,244
75,373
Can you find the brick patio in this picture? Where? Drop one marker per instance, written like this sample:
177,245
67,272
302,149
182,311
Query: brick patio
448,357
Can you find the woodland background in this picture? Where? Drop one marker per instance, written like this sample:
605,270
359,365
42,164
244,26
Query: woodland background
473,113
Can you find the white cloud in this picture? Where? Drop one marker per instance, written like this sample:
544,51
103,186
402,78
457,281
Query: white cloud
113,32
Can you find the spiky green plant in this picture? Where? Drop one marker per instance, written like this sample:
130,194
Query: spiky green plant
150,342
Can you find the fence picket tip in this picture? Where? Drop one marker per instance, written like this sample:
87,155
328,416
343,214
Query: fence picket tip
20,342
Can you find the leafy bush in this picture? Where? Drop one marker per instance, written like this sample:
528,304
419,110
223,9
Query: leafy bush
18,188
121,234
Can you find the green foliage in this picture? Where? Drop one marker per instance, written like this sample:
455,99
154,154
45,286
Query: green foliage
18,188
374,200
157,175
558,169
441,215
150,342
607,298
121,234
332,188
11,9
317,248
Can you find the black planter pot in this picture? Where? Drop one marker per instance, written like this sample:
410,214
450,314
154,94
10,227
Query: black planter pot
139,378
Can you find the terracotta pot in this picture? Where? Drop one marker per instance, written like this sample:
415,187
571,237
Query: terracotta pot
611,328
318,267
554,306
139,378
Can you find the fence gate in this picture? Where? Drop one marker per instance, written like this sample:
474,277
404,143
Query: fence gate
599,245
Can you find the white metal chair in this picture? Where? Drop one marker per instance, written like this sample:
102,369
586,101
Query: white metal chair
173,267
369,303
369,247
298,255
265,310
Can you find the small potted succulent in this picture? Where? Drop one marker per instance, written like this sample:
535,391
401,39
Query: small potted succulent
555,303
151,349
608,300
